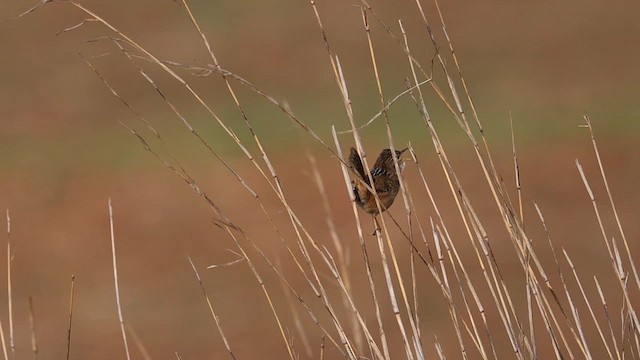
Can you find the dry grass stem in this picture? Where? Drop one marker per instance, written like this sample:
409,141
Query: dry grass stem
12,345
32,328
115,281
211,310
71,298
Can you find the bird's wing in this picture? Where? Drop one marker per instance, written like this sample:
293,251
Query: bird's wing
381,185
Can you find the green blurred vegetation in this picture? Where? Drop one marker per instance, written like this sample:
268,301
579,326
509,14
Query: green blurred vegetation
546,68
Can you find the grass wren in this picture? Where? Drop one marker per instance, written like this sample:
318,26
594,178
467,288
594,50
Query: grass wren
385,180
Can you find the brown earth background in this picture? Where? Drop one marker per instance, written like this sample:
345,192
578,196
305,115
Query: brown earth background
63,154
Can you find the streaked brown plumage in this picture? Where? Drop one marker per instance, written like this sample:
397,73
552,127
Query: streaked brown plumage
385,180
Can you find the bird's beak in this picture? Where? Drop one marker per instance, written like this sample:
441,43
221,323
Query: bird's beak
400,152
402,161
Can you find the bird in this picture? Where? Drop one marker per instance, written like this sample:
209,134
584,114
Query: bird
385,180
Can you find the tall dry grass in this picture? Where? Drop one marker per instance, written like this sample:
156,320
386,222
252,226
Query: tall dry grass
554,311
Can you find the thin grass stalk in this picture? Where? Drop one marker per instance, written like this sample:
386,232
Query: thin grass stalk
419,221
336,275
418,347
115,280
475,336
575,328
4,343
342,257
523,341
627,324
12,345
556,299
262,286
215,316
624,327
576,316
390,289
516,171
605,309
439,350
138,342
610,196
547,319
296,317
445,280
493,277
71,298
587,302
617,264
414,300
293,291
629,310
388,105
32,329
532,333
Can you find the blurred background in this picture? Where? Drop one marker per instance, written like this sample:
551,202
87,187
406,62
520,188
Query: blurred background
63,152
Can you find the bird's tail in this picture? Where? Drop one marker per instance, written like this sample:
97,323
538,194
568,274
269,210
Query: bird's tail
355,163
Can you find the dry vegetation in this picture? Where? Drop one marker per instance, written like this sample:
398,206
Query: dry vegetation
326,301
